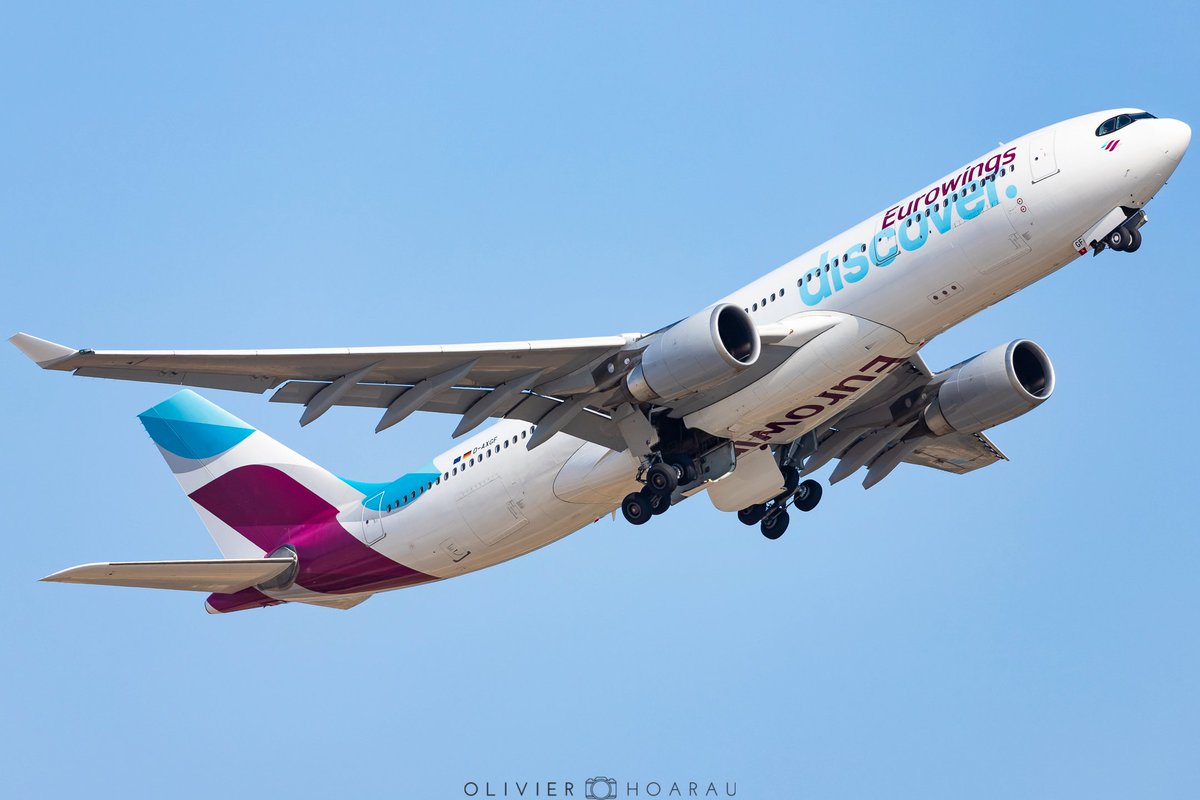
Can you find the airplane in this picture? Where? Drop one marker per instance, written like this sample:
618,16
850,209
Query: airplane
745,399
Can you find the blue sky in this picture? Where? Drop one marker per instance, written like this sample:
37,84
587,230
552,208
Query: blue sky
314,175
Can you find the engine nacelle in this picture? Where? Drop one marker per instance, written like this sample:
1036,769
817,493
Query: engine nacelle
701,351
994,387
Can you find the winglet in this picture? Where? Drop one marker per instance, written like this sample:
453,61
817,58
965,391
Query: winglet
41,351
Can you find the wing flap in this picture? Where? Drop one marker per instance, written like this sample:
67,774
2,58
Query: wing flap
959,453
211,575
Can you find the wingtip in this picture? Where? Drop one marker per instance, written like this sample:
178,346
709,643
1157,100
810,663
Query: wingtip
42,352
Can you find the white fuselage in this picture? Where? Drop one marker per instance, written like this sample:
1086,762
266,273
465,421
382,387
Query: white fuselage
901,277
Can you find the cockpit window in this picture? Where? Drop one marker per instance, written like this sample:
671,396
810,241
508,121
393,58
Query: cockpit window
1120,121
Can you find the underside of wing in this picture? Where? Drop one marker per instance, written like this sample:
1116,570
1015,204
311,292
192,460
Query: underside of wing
521,380
490,364
577,386
884,430
957,452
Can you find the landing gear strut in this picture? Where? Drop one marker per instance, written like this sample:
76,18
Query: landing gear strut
654,498
772,517
1127,237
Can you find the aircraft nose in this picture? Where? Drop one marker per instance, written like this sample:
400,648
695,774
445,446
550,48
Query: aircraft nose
1175,137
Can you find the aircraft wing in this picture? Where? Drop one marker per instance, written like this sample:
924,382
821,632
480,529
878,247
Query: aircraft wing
514,379
477,365
880,432
567,385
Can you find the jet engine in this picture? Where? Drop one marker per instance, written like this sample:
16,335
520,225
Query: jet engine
701,351
991,388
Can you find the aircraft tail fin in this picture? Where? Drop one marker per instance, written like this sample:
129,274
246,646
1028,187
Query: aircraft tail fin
246,487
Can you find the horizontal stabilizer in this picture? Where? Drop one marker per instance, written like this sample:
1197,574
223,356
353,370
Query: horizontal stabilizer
212,575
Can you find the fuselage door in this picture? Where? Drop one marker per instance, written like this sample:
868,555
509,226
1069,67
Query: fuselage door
372,519
1042,163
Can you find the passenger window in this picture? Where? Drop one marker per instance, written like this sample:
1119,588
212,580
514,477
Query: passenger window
522,434
772,297
506,443
755,307
781,292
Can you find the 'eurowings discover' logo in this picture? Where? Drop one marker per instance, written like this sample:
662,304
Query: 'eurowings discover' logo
908,226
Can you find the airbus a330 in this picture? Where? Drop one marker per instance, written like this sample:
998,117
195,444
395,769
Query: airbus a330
745,399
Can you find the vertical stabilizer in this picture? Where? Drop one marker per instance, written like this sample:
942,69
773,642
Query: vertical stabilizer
232,472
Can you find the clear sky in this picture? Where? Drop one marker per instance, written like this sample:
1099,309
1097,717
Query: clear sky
301,174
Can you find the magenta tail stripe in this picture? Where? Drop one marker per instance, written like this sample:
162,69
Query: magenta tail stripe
271,509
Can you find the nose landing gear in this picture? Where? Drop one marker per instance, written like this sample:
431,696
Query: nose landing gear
1125,239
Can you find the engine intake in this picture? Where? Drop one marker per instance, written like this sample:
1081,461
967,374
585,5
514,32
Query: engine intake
994,387
701,351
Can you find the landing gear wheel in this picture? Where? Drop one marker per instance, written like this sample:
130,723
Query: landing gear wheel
752,515
636,508
662,478
1135,240
685,467
1119,240
774,525
659,503
808,494
791,479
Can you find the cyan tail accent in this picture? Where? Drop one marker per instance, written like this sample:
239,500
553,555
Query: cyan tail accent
189,426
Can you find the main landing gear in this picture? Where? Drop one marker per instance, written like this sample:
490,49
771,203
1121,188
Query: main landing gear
654,498
772,517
